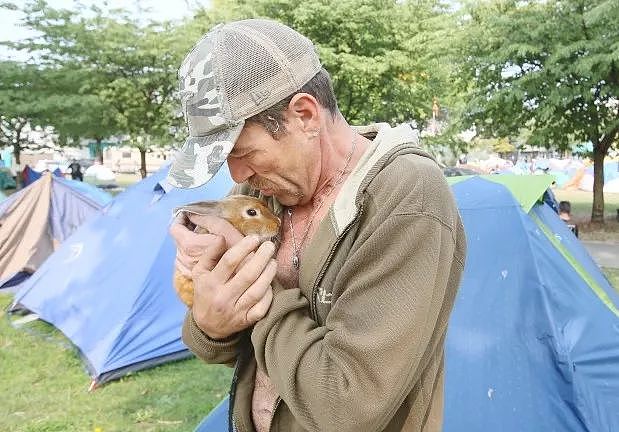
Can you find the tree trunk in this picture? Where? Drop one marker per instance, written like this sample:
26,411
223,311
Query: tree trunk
17,154
143,162
99,150
17,157
597,210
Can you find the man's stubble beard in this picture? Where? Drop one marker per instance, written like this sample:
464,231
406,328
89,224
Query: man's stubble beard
258,183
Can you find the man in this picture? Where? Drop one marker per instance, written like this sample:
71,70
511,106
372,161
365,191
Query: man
344,330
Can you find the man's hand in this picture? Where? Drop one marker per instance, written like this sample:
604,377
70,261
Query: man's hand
237,291
231,282
190,246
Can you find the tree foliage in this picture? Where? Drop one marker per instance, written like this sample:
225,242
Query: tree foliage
386,57
117,75
25,93
552,66
382,55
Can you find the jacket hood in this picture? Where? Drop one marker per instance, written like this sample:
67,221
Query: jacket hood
388,142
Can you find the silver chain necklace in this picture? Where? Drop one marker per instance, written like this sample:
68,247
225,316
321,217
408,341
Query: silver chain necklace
296,248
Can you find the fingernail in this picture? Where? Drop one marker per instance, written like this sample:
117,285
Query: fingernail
268,246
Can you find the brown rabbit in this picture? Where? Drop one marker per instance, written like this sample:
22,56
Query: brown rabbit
247,214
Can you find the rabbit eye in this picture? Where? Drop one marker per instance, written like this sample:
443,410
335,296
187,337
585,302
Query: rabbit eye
252,212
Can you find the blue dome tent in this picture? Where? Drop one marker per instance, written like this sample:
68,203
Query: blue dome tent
533,341
29,175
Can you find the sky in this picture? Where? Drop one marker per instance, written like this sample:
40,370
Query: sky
11,30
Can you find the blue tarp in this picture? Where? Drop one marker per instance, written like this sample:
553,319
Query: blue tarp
611,171
108,288
531,345
29,175
86,189
6,179
533,341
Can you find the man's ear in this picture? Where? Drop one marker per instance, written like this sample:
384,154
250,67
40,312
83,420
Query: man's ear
305,109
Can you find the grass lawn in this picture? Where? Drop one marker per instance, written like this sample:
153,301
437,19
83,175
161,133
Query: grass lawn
43,388
613,276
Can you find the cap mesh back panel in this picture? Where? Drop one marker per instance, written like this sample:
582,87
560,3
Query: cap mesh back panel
245,64
291,44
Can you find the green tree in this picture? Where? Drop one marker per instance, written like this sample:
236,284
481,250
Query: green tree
120,73
502,146
381,54
24,103
386,57
552,66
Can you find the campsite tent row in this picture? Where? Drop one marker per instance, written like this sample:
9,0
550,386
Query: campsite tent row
568,173
611,178
533,338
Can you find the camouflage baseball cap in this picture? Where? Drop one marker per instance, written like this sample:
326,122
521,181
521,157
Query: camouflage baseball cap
235,71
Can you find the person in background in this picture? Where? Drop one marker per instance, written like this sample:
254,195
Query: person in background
565,213
76,170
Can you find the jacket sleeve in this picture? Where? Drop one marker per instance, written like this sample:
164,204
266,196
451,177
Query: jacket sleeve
205,348
355,371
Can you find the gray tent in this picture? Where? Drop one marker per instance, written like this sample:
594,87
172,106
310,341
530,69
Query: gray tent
34,220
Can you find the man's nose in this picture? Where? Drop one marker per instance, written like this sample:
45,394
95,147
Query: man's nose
239,170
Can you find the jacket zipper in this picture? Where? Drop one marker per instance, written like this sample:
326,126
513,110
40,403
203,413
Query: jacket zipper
323,270
232,395
240,363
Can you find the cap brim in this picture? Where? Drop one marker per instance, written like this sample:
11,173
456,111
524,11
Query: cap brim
201,157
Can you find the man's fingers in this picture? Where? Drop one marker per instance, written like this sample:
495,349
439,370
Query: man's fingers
209,258
231,259
187,260
217,225
257,290
251,270
190,243
179,232
182,268
260,309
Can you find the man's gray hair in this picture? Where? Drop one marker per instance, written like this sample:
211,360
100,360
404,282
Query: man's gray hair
320,86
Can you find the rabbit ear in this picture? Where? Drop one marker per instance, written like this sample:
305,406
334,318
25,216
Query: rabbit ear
200,208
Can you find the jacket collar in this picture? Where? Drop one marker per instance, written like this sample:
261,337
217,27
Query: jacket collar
386,142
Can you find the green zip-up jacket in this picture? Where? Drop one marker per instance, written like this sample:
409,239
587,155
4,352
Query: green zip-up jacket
359,345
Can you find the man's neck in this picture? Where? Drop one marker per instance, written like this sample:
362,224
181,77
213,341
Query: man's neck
341,147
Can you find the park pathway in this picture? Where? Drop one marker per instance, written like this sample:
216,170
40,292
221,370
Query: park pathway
605,254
